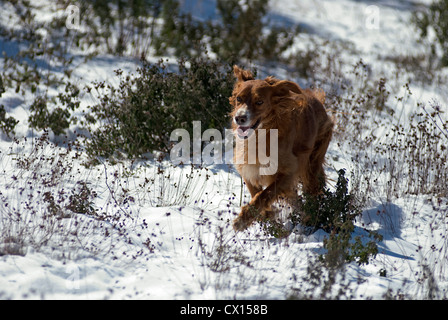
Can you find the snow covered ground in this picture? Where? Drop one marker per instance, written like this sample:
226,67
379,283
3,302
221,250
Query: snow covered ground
148,241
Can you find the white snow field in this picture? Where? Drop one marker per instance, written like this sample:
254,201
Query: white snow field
157,231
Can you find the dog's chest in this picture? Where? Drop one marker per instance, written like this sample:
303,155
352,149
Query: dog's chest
251,173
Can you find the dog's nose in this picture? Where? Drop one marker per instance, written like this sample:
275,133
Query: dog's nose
241,119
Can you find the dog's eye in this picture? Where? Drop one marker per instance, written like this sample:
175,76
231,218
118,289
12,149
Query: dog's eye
239,99
259,103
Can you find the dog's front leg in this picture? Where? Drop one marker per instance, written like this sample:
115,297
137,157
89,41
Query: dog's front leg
247,216
248,212
254,190
261,202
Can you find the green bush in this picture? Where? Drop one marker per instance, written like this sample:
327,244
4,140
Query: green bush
41,53
40,62
120,27
342,248
7,124
435,17
335,213
132,27
179,33
60,117
240,32
329,210
139,116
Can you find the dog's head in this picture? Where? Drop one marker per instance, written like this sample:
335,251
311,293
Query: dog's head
254,100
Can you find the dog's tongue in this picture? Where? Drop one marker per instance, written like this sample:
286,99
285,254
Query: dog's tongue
243,131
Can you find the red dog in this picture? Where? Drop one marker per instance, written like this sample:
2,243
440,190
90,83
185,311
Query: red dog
304,132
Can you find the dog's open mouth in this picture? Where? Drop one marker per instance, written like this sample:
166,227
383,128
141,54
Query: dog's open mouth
245,132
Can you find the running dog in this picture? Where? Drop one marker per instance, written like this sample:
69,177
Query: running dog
304,131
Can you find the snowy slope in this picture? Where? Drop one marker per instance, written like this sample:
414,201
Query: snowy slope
192,252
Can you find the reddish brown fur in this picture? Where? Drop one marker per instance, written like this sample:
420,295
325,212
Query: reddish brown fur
304,133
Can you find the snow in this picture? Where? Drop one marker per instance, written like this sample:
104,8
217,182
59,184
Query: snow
193,252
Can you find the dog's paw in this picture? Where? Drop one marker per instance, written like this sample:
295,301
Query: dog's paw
239,224
246,218
268,215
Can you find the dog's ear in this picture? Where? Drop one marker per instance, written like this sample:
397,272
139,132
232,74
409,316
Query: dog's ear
242,75
320,95
271,80
282,88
